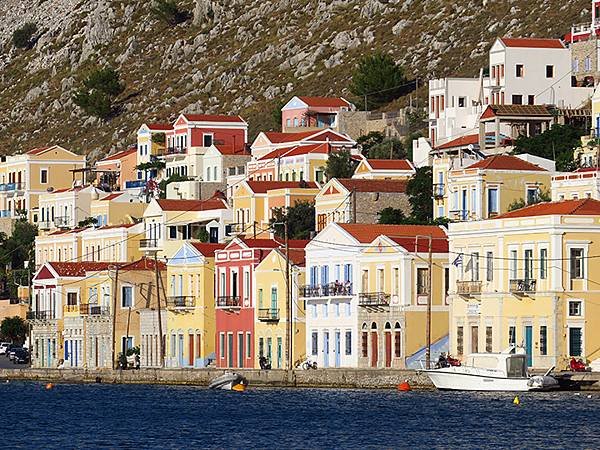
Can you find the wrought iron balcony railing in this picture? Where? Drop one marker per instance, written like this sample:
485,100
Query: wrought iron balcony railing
148,243
229,302
86,309
180,301
522,286
268,314
41,315
335,289
373,299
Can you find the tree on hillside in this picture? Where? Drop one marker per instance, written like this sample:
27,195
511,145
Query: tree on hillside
340,165
99,91
369,140
169,12
300,220
392,216
18,248
390,148
378,78
24,37
420,193
556,144
14,329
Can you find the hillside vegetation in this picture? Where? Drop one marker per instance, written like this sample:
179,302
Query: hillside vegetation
232,56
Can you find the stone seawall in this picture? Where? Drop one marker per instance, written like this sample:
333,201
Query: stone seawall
325,378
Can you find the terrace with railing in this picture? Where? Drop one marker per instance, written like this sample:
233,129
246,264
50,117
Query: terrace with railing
10,187
522,286
468,287
229,302
373,299
335,289
87,309
41,315
268,314
180,301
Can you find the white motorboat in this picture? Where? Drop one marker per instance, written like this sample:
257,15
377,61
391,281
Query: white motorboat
506,371
229,381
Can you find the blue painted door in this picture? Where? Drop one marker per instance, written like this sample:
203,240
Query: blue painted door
67,351
326,349
49,353
337,349
529,344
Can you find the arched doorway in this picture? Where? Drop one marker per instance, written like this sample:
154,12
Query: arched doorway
388,344
374,346
397,341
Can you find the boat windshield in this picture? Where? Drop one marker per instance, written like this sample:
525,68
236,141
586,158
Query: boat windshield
515,367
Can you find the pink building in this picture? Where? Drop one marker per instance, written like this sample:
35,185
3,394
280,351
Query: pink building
302,113
115,170
204,130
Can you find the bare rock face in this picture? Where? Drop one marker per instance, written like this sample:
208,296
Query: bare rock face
98,29
206,11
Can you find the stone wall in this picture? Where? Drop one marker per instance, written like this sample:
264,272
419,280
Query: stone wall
368,204
333,378
360,123
579,52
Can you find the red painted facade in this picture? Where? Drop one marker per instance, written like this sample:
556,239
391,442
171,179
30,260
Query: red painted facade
203,131
235,316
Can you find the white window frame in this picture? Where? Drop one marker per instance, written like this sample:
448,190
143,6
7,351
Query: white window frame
126,285
581,314
42,169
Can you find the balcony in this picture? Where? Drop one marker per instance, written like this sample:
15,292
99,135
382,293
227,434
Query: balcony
522,286
41,315
71,308
438,190
5,213
468,287
268,315
63,222
373,299
229,302
45,225
327,290
176,151
460,215
86,309
180,301
148,244
11,187
135,184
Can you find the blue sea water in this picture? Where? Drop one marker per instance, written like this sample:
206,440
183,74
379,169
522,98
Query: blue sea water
95,416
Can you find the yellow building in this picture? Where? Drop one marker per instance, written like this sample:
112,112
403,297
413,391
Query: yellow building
384,169
367,291
118,208
527,278
191,306
487,188
24,177
60,246
358,200
253,203
582,183
116,243
151,141
271,326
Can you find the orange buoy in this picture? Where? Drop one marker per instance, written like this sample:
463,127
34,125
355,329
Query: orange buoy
49,386
404,386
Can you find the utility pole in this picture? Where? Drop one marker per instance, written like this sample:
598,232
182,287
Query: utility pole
288,300
114,324
160,333
353,194
429,296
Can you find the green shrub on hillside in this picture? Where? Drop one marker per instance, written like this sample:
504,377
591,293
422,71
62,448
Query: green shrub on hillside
24,37
100,88
168,11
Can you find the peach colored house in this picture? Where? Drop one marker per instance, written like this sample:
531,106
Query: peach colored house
312,113
384,169
117,169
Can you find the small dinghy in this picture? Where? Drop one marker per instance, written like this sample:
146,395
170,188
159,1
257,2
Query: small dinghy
229,381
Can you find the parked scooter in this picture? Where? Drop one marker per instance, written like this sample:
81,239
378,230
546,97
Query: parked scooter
308,364
264,363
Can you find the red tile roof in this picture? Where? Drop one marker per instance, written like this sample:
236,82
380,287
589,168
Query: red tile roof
582,207
297,150
191,205
261,187
532,42
78,269
505,162
279,138
143,264
207,249
360,185
233,150
112,196
272,243
325,102
588,169
404,235
37,151
120,154
390,164
213,118
159,126
121,225
297,256
460,141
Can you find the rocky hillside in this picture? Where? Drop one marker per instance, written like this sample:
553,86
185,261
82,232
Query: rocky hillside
233,56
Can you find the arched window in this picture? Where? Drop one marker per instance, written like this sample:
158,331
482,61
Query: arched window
397,341
388,326
374,326
364,341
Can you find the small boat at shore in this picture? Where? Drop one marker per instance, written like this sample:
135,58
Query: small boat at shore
229,381
506,371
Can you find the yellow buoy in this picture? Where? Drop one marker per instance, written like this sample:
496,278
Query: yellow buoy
49,386
516,401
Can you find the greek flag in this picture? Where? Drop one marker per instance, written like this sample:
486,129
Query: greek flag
458,261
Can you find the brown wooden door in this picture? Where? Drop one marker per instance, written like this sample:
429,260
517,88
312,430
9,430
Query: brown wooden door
388,349
191,349
474,339
374,350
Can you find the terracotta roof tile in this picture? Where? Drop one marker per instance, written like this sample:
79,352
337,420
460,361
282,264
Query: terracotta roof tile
240,150
582,207
532,42
78,269
279,138
390,164
191,205
207,249
112,196
325,102
213,118
37,151
159,126
261,187
361,185
403,235
274,243
505,162
121,154
297,150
